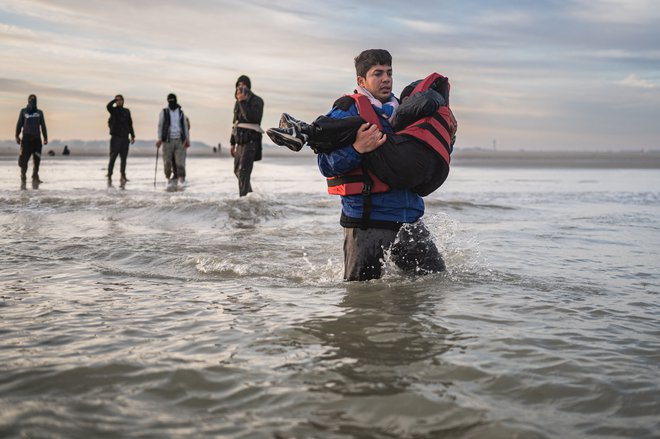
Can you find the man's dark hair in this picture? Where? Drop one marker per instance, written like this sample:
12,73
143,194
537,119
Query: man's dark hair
369,58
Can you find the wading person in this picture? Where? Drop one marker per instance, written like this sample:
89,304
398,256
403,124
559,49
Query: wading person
121,127
246,133
375,217
32,124
173,135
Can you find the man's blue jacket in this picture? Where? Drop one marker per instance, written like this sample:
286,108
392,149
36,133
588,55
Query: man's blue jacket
396,205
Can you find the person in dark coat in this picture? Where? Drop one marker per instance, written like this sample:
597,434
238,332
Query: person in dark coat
32,124
246,133
121,127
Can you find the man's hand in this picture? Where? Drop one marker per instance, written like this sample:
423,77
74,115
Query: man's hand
132,140
158,143
18,140
232,150
186,144
241,94
45,141
368,138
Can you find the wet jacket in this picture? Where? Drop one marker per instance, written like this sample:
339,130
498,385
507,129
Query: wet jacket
250,111
120,122
388,209
31,120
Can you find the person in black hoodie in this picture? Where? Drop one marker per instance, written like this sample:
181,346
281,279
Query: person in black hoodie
32,123
246,133
121,126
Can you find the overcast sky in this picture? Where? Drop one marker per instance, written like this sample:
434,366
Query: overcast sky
543,74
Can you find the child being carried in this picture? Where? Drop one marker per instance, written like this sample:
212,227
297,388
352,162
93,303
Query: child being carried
416,157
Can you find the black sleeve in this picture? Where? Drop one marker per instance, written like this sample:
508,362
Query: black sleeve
43,126
130,122
110,106
19,124
418,106
252,110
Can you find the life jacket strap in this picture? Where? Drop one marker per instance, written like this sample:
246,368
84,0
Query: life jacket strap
366,197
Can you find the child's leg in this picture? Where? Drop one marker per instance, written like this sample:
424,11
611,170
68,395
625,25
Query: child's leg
325,134
328,134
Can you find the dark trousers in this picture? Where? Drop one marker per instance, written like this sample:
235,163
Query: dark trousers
402,162
30,147
118,147
243,164
411,249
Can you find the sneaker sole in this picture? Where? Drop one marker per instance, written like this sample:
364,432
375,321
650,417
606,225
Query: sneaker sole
293,143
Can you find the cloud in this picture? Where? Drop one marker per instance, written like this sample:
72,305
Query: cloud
514,66
20,87
634,12
633,80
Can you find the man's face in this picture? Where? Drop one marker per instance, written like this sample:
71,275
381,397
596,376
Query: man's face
241,91
119,101
378,82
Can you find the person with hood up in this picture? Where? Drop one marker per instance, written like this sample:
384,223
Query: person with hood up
173,135
246,133
32,123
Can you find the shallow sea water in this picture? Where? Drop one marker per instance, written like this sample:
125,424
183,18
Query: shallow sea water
142,313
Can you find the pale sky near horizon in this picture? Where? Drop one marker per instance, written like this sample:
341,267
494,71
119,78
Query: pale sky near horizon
547,74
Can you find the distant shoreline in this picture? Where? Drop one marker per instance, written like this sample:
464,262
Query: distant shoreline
558,159
460,157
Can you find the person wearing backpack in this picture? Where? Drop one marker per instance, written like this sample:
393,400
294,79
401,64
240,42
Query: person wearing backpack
121,127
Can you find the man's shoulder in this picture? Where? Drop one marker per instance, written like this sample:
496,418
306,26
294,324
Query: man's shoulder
343,107
344,103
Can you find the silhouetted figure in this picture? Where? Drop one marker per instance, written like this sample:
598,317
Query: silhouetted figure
66,151
32,123
121,126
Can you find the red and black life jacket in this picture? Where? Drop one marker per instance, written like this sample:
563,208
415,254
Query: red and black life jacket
436,130
358,181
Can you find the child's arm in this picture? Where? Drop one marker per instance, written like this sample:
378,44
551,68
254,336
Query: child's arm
417,106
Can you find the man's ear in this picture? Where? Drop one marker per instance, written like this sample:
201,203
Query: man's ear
360,81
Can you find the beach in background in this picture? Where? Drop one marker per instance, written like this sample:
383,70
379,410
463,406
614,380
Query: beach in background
643,159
